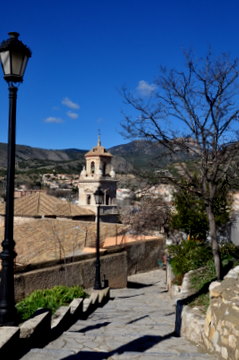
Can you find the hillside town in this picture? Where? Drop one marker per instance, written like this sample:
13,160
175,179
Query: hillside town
126,251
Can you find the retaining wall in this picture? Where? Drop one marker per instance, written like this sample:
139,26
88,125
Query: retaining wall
116,264
218,330
221,328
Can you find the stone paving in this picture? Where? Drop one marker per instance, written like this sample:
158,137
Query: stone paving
138,323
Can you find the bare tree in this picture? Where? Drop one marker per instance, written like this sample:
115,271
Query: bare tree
150,214
195,112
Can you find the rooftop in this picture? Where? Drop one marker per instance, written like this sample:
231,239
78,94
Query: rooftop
41,204
40,240
98,150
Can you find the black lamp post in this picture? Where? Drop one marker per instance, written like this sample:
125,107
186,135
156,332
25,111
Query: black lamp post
14,56
99,199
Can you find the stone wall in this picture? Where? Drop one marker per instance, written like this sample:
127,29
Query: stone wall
116,264
144,255
80,272
221,330
218,331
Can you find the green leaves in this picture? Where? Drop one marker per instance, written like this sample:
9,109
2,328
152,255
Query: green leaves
190,216
50,299
188,255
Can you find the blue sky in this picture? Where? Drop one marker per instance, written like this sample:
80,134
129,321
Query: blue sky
85,51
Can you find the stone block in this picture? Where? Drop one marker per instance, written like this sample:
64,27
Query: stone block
76,307
237,354
37,329
232,341
104,296
9,340
233,273
215,289
62,315
94,298
192,324
224,353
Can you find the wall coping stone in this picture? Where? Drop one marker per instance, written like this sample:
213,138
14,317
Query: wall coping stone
8,334
60,315
32,325
42,328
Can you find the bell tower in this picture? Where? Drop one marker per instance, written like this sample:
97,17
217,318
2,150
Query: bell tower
98,173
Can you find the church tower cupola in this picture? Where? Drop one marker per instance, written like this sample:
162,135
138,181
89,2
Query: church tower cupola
98,163
97,173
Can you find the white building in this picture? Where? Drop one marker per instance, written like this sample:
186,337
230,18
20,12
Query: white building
98,173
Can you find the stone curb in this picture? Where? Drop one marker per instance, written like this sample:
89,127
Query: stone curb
43,327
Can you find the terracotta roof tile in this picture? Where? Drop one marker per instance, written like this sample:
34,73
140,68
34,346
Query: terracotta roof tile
42,240
98,151
41,204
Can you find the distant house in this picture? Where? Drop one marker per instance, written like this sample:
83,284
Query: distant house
166,191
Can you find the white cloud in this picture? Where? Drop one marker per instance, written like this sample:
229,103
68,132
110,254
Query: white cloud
72,115
145,89
52,119
70,104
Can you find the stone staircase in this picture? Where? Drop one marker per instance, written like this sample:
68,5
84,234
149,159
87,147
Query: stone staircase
137,323
43,327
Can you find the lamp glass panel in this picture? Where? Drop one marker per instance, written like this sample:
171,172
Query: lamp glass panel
17,63
99,197
5,60
24,64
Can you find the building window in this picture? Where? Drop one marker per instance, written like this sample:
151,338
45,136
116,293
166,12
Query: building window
92,167
88,199
104,169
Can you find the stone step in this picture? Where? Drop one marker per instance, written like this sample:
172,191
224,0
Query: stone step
47,354
56,354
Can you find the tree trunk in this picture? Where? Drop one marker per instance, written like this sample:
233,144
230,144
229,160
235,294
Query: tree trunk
214,243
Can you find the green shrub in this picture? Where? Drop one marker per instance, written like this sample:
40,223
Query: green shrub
191,216
229,251
203,276
188,255
201,279
203,300
51,299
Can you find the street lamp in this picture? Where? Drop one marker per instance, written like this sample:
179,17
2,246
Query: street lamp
13,56
99,199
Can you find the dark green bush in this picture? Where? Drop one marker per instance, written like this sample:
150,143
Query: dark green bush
229,251
203,276
188,255
191,216
51,299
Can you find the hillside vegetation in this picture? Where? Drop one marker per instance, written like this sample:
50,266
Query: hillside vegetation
128,158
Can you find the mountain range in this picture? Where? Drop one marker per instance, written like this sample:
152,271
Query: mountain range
128,159
136,154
